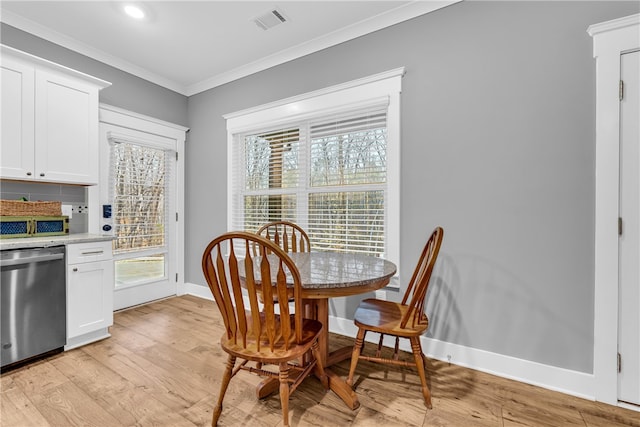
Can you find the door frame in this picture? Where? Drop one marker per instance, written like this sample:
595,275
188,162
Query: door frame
127,119
610,40
629,239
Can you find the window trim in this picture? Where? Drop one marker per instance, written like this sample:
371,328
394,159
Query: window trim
356,94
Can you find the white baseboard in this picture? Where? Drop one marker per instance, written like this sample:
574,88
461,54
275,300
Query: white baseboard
566,381
198,291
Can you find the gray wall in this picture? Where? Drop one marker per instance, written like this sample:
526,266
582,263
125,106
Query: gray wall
498,147
127,91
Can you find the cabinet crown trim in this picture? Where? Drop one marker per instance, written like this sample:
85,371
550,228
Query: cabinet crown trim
7,51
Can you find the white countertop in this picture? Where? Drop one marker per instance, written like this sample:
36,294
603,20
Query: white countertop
43,242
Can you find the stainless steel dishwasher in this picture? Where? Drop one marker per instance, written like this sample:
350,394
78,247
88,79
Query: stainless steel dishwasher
33,303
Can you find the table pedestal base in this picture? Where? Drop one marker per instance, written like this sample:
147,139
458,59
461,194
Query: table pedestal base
267,387
337,384
319,309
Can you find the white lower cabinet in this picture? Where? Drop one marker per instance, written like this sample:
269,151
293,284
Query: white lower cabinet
89,292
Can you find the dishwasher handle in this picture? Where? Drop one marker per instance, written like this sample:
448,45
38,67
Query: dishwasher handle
29,260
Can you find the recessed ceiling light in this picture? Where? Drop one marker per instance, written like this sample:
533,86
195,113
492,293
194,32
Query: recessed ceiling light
134,11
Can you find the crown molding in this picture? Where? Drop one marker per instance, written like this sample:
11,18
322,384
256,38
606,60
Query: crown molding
394,16
75,45
375,23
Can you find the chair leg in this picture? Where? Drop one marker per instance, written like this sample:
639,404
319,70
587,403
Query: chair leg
357,349
396,349
324,379
284,392
420,365
226,378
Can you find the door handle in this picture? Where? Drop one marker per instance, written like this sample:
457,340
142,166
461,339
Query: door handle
92,252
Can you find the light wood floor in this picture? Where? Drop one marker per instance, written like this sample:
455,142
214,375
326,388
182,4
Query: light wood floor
162,366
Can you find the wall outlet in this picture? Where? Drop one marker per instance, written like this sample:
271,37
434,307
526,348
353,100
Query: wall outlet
80,209
67,210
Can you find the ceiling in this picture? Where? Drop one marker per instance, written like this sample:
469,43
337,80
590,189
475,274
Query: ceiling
192,46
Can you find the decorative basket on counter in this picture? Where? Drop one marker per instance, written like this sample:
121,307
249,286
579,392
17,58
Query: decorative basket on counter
33,226
30,219
21,208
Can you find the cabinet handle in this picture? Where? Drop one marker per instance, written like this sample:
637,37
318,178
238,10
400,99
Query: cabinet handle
28,173
92,252
75,269
41,174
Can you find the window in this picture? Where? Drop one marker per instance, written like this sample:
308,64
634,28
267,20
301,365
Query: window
328,160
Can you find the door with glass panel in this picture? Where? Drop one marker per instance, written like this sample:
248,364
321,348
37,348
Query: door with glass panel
141,191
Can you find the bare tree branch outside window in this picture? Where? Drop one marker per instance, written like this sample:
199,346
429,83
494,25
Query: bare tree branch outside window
332,172
139,197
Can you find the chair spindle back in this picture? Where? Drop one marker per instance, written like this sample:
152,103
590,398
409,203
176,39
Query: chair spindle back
273,275
417,288
288,235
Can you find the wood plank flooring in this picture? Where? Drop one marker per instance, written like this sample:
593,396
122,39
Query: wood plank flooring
163,364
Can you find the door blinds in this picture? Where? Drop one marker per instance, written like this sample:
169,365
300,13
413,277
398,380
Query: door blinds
139,193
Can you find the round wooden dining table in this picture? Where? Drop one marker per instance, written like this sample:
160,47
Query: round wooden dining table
328,275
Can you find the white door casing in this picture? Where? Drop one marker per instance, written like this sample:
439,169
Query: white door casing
610,40
629,290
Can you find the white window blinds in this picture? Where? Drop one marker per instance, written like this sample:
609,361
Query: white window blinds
348,182
139,191
328,174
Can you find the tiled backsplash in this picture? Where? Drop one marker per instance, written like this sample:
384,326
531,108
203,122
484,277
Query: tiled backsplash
73,195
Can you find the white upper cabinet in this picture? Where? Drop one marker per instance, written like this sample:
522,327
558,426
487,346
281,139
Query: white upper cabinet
49,121
17,155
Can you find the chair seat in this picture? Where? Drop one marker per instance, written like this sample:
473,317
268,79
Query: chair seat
310,330
385,317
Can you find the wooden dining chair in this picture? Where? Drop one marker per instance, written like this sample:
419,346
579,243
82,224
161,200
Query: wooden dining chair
288,235
256,335
406,319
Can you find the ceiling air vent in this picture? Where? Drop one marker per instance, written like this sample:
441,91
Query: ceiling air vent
270,19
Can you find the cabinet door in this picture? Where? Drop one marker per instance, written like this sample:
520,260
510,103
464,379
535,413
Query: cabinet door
89,297
17,120
66,129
